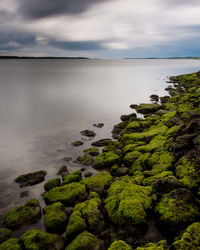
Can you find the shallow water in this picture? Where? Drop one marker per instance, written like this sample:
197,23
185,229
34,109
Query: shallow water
44,104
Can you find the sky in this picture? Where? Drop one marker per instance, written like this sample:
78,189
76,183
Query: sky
100,28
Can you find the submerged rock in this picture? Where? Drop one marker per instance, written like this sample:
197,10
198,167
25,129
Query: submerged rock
31,178
99,125
88,133
27,214
63,171
77,143
37,239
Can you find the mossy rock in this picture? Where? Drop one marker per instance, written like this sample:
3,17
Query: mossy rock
31,178
85,159
188,173
106,159
55,217
190,238
11,244
140,164
93,151
177,209
132,127
98,182
131,157
29,213
76,176
84,241
119,245
52,183
113,146
128,202
167,119
157,142
163,182
36,239
129,148
118,171
85,213
5,234
145,108
67,194
161,245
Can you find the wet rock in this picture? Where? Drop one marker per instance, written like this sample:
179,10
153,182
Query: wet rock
85,159
11,244
76,176
99,125
106,159
67,158
5,234
125,118
29,213
77,143
118,245
67,194
63,171
37,239
99,182
31,178
84,241
101,143
52,183
147,108
154,98
55,217
24,194
133,106
88,133
93,151
88,174
119,171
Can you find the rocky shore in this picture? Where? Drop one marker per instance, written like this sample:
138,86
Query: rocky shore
146,194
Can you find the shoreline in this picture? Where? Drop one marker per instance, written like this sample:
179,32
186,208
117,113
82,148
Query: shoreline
148,181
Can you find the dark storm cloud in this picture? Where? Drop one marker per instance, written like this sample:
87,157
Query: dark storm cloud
84,45
44,8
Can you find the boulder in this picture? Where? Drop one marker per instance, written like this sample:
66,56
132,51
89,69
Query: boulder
119,245
31,178
101,143
88,133
5,234
56,182
76,176
106,159
11,244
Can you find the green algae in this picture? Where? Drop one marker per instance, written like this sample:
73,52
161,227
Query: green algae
76,176
119,245
67,194
56,182
128,202
11,244
98,182
55,217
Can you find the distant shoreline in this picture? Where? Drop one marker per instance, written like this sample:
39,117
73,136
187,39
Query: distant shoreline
42,57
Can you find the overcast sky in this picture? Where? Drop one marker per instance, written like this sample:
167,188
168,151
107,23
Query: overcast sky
100,28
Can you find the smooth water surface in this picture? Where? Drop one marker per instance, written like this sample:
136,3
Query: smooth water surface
44,104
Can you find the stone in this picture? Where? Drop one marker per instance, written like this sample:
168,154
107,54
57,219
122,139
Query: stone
56,182
101,143
77,143
88,133
31,178
11,244
63,171
99,125
5,234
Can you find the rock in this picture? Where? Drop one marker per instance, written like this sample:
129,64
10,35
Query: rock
76,176
52,183
77,143
189,239
128,202
85,159
84,241
27,214
85,213
24,194
177,209
101,143
119,171
119,245
5,234
164,99
11,244
106,159
133,106
88,174
93,151
131,157
99,125
37,239
161,245
147,108
31,178
97,183
67,158
125,118
88,133
63,171
55,217
68,194
154,98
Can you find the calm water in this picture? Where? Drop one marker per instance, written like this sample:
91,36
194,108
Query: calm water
44,104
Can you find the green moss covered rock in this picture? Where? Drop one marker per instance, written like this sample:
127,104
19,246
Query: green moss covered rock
28,213
55,217
76,176
128,202
190,238
36,239
11,244
67,194
161,245
177,209
93,151
98,182
145,108
85,213
140,164
131,157
119,245
86,159
5,234
84,241
56,182
157,142
106,159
